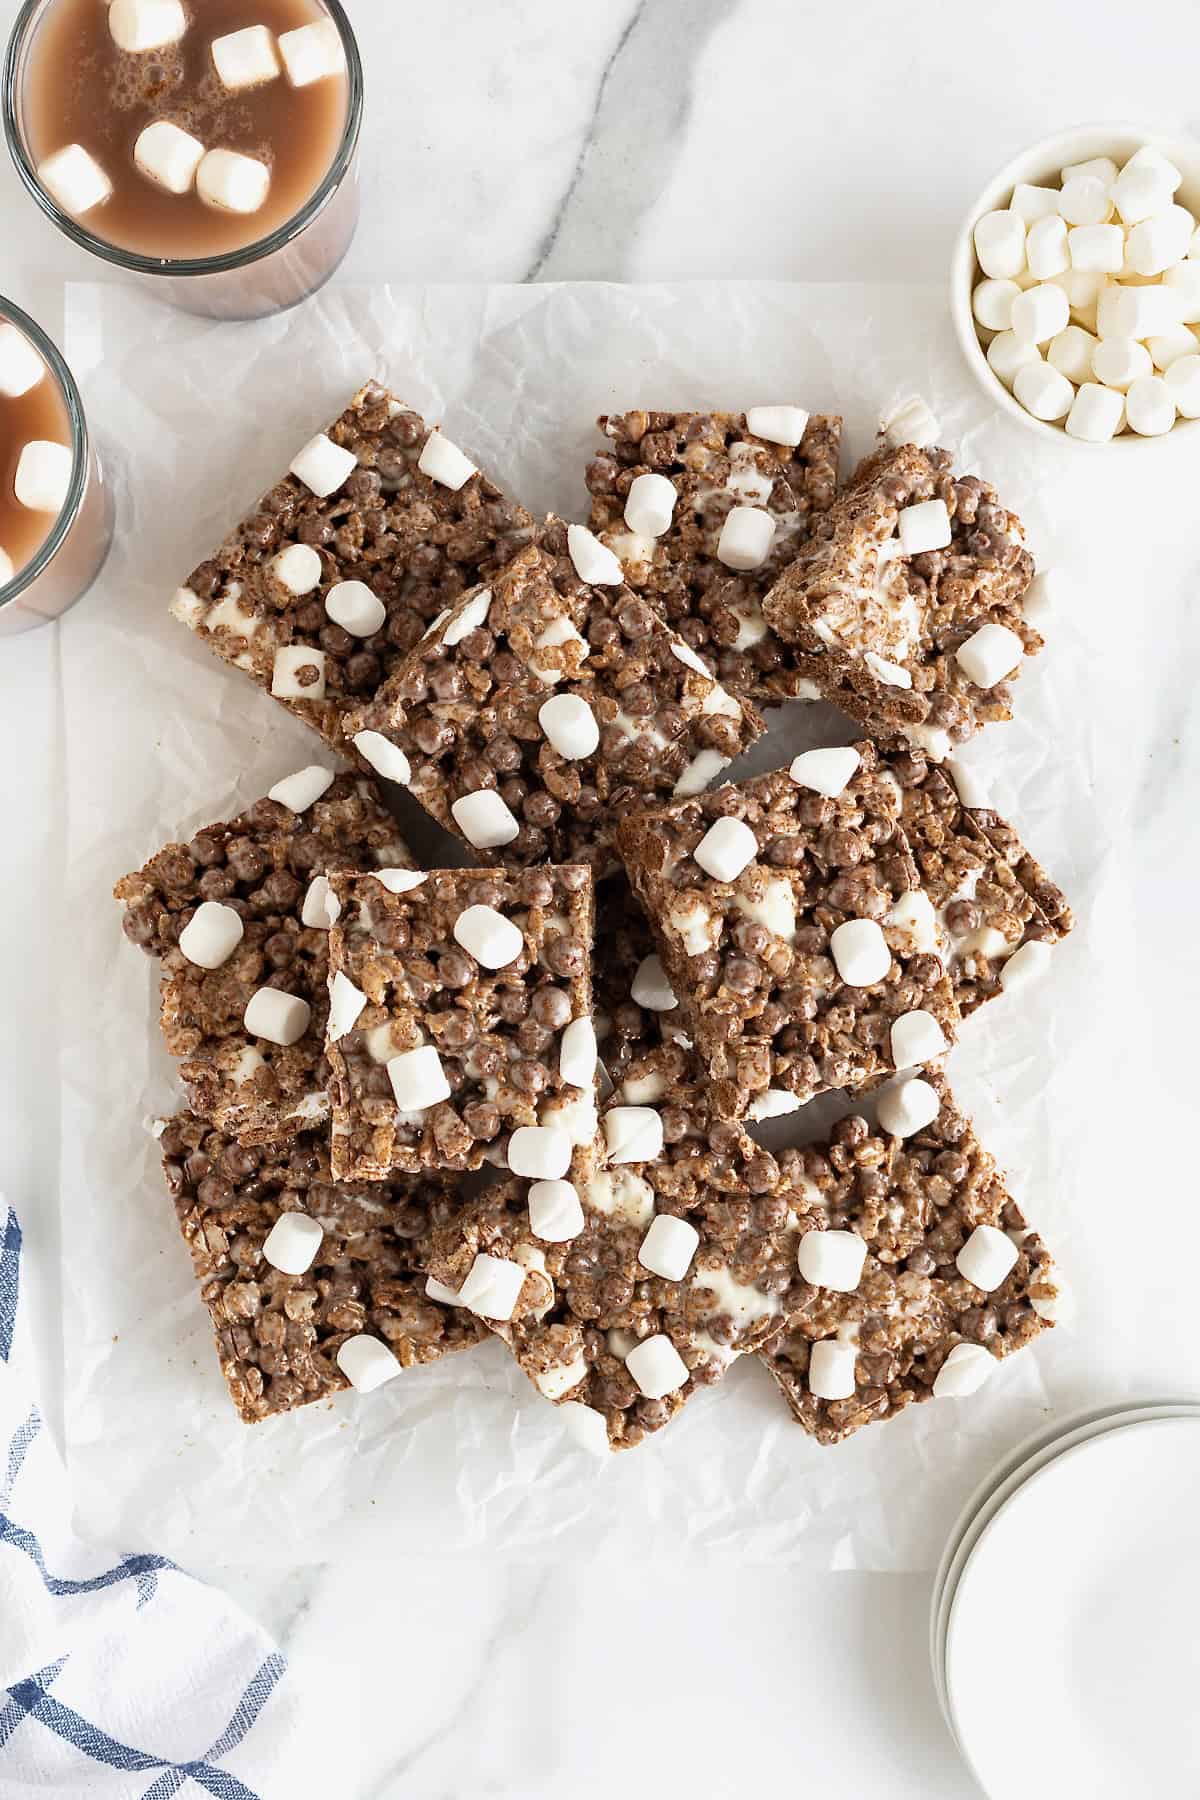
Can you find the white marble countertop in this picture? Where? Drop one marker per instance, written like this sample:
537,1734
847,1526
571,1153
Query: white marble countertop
643,140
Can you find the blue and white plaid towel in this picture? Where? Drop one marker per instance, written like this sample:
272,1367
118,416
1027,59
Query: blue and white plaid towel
123,1678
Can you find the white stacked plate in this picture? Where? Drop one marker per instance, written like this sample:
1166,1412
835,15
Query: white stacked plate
1065,1624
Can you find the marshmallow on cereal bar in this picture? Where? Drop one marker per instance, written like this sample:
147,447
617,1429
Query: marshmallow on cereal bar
383,545
792,929
462,1050
280,1329
704,511
951,1274
545,706
244,956
916,566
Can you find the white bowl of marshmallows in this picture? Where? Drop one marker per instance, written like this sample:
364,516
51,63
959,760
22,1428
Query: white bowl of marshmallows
1076,287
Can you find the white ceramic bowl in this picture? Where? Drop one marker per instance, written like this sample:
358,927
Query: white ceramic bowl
1041,165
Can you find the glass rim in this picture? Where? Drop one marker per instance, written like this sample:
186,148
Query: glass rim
81,451
186,266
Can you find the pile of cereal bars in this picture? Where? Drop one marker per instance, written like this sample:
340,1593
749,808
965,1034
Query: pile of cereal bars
518,1097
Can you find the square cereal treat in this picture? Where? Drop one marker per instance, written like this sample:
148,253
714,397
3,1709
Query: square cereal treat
312,1288
379,524
546,705
460,1027
622,1294
791,927
238,920
908,614
920,1272
996,911
705,510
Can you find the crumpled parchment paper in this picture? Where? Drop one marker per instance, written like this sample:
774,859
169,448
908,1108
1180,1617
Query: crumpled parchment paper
1068,1082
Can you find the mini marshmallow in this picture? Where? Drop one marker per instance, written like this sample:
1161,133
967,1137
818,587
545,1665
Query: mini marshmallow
778,424
472,615
1048,247
1040,313
1157,244
1149,407
633,1134
683,652
323,466
555,1212
1166,347
1043,391
1007,354
727,847
138,25
650,987
570,726
987,1258
594,562
21,368
298,673
1183,385
860,952
418,1079
1183,281
1000,244
912,422
1150,158
1116,361
1100,168
353,606
485,820
1137,312
488,936
43,477
292,1243
772,1103
1097,413
668,1247
75,180
312,52
584,1426
1140,191
387,759
315,911
437,1290
277,1017
826,772
345,1006
1027,964
656,1367
492,1287
246,58
971,789
560,1378
992,304
445,463
831,1370
211,935
303,789
925,526
542,1152
577,1054
890,673
168,156
1096,248
650,505
832,1259
399,881
908,1107
965,1369
916,1038
366,1362
704,767
1071,353
1083,288
1085,201
990,654
746,538
298,568
1033,203
231,182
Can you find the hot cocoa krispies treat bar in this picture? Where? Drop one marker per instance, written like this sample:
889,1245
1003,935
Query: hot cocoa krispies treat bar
907,613
662,493
792,929
922,1273
237,919
546,705
379,524
623,1294
460,1025
286,1299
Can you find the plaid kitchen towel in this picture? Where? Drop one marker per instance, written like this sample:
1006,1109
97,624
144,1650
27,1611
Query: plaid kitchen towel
121,1677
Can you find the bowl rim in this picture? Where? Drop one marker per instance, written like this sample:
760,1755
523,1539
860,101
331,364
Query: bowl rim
1072,144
